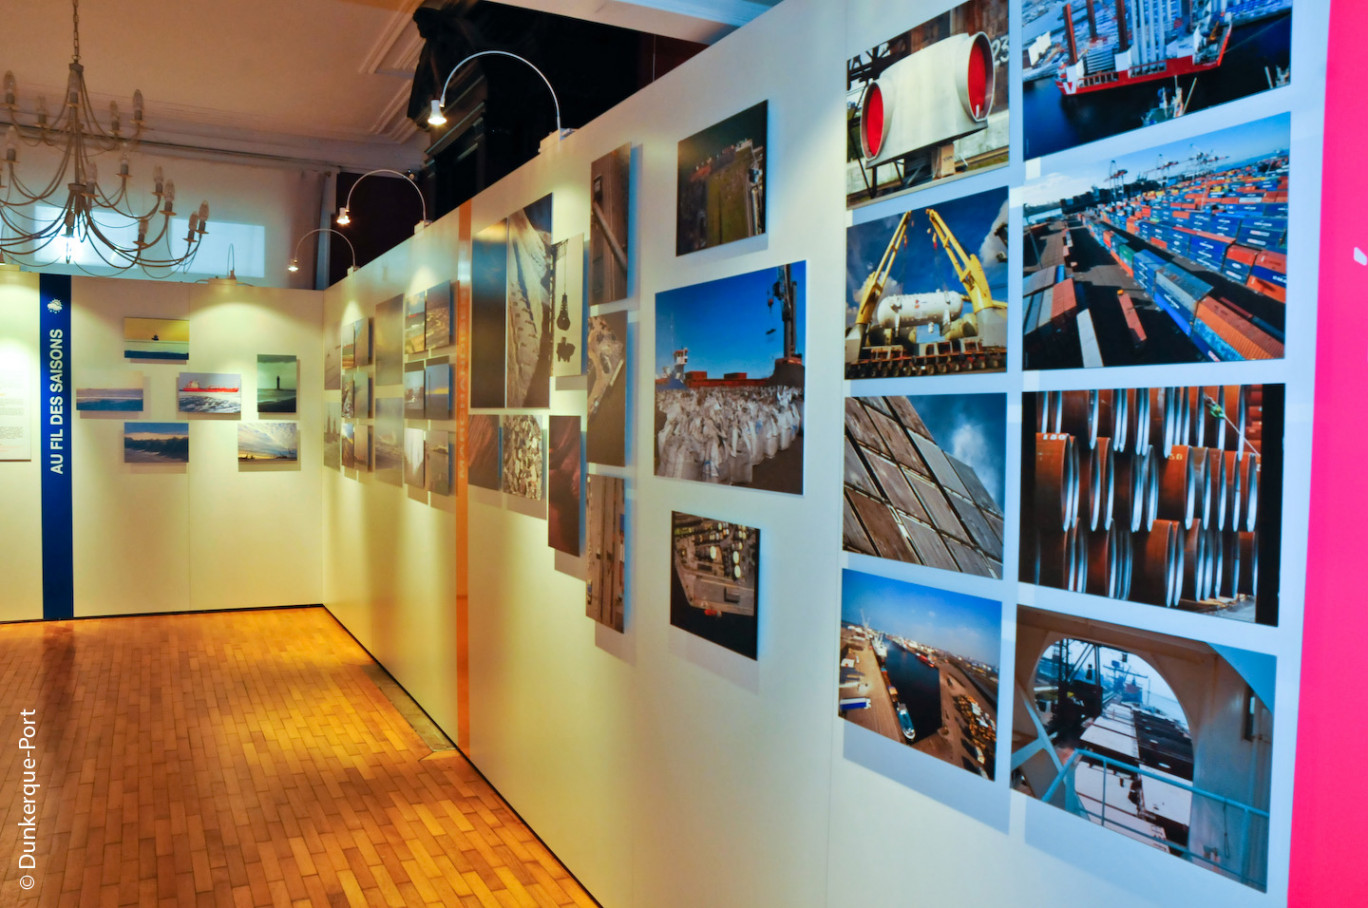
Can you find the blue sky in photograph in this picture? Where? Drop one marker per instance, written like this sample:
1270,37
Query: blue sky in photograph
1237,145
725,323
964,625
973,427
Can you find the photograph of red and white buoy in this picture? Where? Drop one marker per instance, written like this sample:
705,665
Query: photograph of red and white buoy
1166,496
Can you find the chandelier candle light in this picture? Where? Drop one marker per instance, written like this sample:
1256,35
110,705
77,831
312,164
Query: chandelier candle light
89,215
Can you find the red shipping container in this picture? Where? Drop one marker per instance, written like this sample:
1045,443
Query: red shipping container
1159,244
1244,337
1063,301
1242,254
1273,261
1137,330
1267,288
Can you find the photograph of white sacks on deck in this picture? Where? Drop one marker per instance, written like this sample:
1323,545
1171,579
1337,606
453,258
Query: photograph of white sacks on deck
729,380
1166,496
925,480
1165,740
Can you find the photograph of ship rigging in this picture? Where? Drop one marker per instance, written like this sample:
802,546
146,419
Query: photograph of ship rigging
928,104
1096,68
918,302
1165,740
920,666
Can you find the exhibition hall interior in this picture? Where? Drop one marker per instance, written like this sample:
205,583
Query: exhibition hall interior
412,491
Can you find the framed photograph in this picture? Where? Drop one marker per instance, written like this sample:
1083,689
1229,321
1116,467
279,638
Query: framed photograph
715,581
110,392
608,369
524,456
389,341
209,392
277,383
564,492
157,339
610,245
721,195
156,442
484,464
268,442
606,524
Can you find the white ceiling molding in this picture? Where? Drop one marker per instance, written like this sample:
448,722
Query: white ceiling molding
397,46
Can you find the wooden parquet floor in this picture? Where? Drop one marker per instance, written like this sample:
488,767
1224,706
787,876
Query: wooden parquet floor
239,759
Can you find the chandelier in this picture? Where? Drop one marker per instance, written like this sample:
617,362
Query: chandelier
50,221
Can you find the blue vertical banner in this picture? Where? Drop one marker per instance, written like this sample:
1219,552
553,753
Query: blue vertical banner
54,345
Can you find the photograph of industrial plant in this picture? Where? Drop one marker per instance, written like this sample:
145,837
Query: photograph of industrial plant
722,182
920,665
1175,254
1165,496
567,296
925,480
928,104
715,581
610,203
483,462
729,380
918,302
1165,740
606,525
1096,68
563,475
607,370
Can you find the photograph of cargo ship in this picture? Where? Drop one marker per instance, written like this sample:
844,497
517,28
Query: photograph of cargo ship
607,369
606,526
928,104
729,380
156,442
1174,254
110,392
524,456
1165,496
389,341
925,480
564,499
920,666
277,383
721,195
918,301
483,463
1165,740
715,581
388,440
160,339
332,435
1096,68
209,392
268,442
610,203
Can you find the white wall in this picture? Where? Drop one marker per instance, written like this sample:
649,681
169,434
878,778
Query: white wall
21,596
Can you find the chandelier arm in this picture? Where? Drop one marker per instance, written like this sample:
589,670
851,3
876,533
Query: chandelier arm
396,173
104,141
29,195
51,226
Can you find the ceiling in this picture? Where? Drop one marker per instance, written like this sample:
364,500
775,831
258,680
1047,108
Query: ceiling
323,82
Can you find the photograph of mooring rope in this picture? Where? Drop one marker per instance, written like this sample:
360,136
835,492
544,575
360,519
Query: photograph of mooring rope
1165,496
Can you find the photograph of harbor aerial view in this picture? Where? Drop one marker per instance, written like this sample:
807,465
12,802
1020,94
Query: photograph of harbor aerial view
1174,254
920,666
1165,496
1162,739
926,290
715,581
1095,68
722,182
928,104
925,480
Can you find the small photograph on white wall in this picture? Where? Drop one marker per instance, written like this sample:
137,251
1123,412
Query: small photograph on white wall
606,554
388,440
156,442
437,391
361,394
415,458
610,201
415,391
277,383
729,380
567,303
332,367
268,442
161,339
524,456
928,104
920,666
389,341
608,371
209,392
715,581
1164,740
564,495
332,435
439,463
440,328
363,342
415,323
349,445
110,392
721,194
362,448
483,464
527,366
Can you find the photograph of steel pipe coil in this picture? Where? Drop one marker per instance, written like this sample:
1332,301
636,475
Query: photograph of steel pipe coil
1164,496
1172,254
925,480
1165,740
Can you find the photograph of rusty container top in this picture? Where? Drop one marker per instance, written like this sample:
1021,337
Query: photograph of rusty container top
924,480
928,104
1165,496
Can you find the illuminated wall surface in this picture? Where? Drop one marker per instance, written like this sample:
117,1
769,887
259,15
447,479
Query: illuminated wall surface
1029,304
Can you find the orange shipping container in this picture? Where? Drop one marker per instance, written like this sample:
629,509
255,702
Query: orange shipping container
1063,300
1267,288
1244,337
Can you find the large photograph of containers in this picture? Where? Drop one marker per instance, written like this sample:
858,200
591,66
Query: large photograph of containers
926,290
920,666
1096,68
925,480
1165,496
1164,740
928,104
1175,254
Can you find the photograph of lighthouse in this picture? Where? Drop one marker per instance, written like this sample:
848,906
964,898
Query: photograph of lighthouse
926,290
920,666
729,380
277,383
1096,68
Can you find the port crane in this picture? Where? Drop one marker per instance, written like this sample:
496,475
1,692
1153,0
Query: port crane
970,272
873,287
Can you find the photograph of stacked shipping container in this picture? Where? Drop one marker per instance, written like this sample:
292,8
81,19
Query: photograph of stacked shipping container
1173,254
